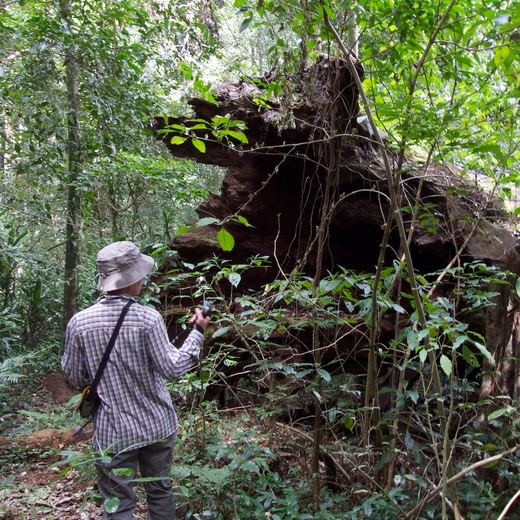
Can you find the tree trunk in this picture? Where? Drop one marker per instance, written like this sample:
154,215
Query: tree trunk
353,33
501,379
3,141
70,293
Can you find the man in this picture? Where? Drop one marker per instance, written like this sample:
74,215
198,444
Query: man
135,423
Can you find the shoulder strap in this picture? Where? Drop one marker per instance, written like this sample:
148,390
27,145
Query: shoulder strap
110,345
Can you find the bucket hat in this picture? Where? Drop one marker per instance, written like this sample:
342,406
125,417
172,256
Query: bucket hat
120,265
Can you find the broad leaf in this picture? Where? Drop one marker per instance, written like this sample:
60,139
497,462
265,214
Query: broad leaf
206,221
177,139
199,145
234,279
446,365
226,240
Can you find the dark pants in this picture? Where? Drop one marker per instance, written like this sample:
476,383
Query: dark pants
154,460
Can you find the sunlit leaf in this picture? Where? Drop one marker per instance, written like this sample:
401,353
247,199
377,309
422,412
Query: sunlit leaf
177,139
183,229
198,144
501,54
239,136
243,220
226,240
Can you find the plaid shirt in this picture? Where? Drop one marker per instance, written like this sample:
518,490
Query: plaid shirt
136,407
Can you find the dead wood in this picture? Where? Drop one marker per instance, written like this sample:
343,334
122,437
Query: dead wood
277,182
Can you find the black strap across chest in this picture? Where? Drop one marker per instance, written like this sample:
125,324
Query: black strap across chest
110,345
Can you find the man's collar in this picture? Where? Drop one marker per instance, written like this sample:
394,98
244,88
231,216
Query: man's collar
114,297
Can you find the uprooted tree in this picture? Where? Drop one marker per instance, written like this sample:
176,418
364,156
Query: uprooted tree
378,264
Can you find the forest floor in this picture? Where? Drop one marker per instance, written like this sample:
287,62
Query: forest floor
47,472
32,484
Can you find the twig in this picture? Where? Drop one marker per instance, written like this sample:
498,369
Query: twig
432,494
339,466
509,504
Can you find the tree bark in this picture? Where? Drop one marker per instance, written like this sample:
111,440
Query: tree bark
70,293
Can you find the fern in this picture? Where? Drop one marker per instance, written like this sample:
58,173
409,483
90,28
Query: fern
10,369
205,475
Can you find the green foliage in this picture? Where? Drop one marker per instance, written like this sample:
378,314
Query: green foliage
288,308
235,474
127,179
10,369
20,374
440,77
82,462
224,129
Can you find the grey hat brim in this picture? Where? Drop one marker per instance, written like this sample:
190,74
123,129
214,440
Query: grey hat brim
124,278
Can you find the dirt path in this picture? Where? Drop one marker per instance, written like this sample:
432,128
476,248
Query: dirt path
31,485
36,493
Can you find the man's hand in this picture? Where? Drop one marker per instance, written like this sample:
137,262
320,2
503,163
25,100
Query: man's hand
199,319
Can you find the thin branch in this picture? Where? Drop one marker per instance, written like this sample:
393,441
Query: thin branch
340,466
398,218
508,506
432,494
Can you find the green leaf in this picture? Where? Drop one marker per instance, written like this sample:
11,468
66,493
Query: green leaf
499,413
239,136
226,240
323,374
183,229
243,220
199,145
349,423
111,504
221,120
245,24
413,395
177,139
446,365
310,45
123,472
186,70
414,338
221,331
398,308
483,350
179,128
501,54
250,466
469,357
492,147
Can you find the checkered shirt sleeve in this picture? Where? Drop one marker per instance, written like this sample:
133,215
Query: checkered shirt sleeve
136,407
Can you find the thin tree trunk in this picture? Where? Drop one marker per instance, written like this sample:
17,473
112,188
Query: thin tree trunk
3,145
70,293
353,33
